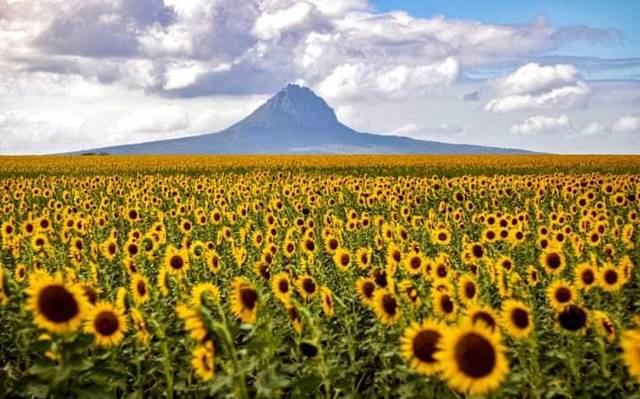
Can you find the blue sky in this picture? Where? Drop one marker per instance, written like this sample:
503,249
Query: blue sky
550,75
623,15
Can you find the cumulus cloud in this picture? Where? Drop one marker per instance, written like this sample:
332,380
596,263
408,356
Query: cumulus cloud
627,125
310,40
539,87
361,80
541,124
592,129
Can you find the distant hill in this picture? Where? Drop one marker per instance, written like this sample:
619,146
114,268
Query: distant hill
297,121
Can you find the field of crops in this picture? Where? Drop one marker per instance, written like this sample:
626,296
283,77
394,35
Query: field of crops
430,277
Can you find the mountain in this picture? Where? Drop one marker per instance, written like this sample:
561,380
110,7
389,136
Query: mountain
297,121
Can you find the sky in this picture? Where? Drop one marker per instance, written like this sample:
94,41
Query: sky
552,76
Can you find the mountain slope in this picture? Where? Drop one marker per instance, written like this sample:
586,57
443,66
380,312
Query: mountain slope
296,120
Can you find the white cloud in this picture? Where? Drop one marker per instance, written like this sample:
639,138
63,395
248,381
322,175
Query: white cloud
362,81
627,124
541,124
533,78
270,25
539,87
166,118
592,129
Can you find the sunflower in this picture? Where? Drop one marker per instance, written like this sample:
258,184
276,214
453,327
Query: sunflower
363,257
604,326
365,288
410,292
39,241
467,288
420,343
473,359
441,236
213,260
573,318
609,278
288,248
109,249
386,306
107,323
342,259
443,304
139,288
3,293
307,286
193,323
20,273
244,300
326,298
552,260
176,260
202,361
630,344
516,318
281,287
483,315
137,319
413,263
296,319
561,293
204,290
585,276
163,282
57,307
532,276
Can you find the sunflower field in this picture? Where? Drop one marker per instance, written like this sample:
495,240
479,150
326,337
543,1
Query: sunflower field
320,276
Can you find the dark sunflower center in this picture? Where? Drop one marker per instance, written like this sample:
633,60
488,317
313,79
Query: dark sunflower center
90,293
484,317
415,263
442,236
389,305
368,288
333,244
470,290
572,318
106,323
588,277
176,262
293,313
520,318
610,277
442,271
310,245
425,345
446,304
142,288
344,259
309,286
478,251
249,297
563,295
553,260
57,304
475,355
283,286
308,349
